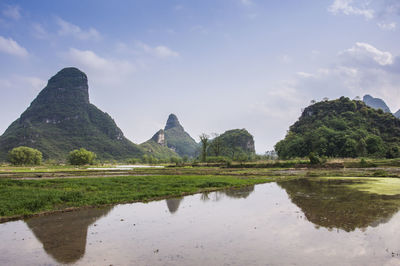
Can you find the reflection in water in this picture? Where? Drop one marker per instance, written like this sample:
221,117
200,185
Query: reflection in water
331,204
173,204
239,193
236,193
63,235
266,226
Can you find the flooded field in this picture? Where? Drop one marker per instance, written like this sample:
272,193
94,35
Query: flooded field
297,222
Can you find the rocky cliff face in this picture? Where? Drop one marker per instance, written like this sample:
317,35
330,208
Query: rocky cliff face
61,119
157,147
159,138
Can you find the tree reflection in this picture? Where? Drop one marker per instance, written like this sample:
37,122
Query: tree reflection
331,204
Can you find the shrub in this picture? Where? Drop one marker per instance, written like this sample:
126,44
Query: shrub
25,156
314,159
81,157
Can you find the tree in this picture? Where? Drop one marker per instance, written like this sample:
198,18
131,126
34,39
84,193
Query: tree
374,143
81,157
204,143
216,144
25,156
314,159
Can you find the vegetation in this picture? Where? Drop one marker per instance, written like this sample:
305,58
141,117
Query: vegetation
62,119
24,197
236,144
28,190
204,144
178,139
25,156
81,157
342,128
157,151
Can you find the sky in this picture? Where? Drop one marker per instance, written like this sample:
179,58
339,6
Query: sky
216,64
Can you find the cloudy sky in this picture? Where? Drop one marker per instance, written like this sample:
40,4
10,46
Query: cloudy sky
216,64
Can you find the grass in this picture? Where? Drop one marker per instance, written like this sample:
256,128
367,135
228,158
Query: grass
27,191
375,185
19,198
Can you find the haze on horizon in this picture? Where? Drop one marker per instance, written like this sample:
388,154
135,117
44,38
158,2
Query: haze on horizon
216,64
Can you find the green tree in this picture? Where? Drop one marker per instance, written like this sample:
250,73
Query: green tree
314,159
81,157
361,148
25,156
374,144
204,144
216,144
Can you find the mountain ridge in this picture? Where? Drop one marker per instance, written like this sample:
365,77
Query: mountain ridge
61,118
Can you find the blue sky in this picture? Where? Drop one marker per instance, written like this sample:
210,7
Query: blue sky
216,64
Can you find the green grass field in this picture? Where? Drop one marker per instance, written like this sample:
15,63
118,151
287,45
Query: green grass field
25,197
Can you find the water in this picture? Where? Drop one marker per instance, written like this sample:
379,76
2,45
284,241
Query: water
290,223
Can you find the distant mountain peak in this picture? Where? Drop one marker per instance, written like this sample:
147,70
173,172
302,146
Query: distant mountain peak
177,139
172,122
376,103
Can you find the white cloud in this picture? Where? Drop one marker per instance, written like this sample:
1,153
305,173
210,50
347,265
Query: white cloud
9,46
12,12
364,51
103,72
160,51
90,60
23,84
346,7
387,26
305,74
366,70
38,31
69,29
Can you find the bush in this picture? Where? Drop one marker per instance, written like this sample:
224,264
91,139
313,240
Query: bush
25,156
314,159
176,160
133,161
81,157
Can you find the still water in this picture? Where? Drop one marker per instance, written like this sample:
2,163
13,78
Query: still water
295,222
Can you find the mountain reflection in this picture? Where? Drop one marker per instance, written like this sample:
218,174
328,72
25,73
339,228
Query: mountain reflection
173,204
63,235
331,204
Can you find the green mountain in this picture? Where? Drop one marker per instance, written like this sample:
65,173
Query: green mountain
342,128
178,139
157,147
232,143
61,119
376,103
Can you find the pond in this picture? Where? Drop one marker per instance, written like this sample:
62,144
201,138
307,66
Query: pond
296,222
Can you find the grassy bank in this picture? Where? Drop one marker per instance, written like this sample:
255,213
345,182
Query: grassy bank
19,198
